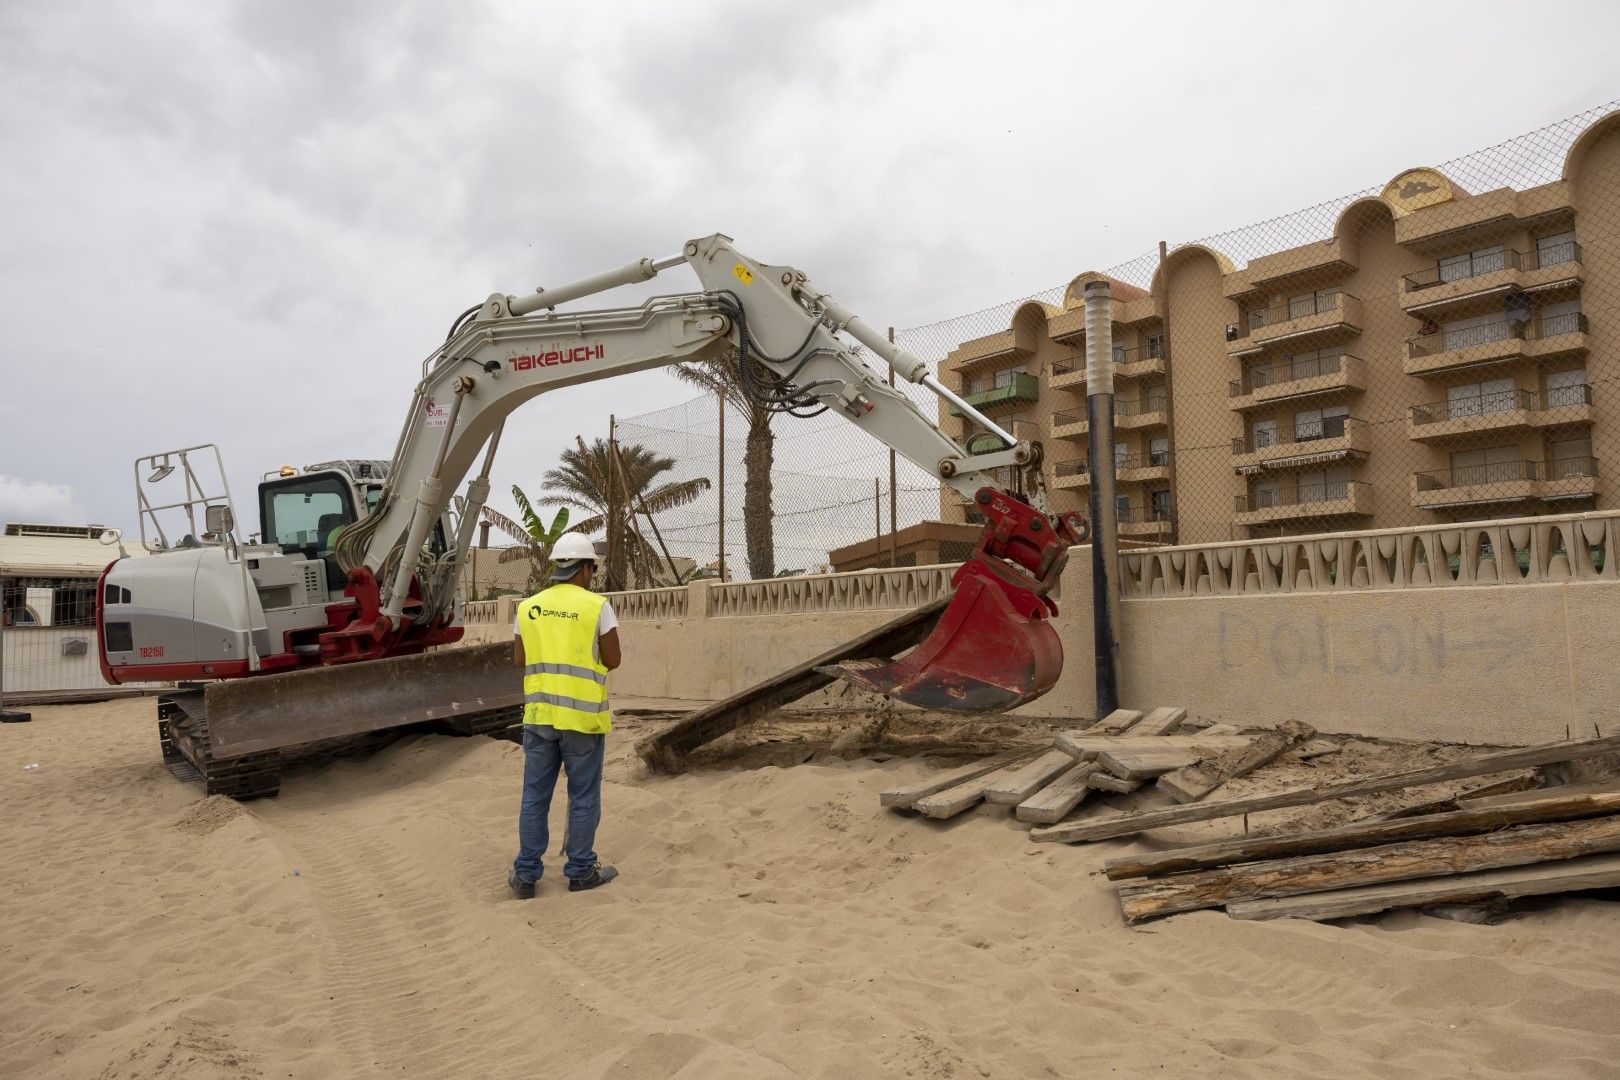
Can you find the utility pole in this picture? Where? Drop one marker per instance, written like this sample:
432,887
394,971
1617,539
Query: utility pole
894,539
612,503
1104,512
720,396
877,521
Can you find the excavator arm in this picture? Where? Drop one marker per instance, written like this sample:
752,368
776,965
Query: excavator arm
788,336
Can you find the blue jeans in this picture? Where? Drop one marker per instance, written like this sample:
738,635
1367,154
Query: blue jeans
545,750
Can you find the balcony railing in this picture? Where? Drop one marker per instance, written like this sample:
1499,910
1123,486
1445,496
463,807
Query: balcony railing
1299,495
1068,365
1021,387
1145,515
1507,472
1329,427
1479,264
1067,417
1500,401
1305,306
1284,371
1157,459
1142,407
1071,468
1496,330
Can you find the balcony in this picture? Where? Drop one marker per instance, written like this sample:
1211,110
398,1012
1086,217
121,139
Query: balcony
1308,263
1505,482
1498,342
1069,424
1320,317
1330,439
1151,411
1069,372
1334,499
1139,362
1470,278
1506,410
1071,475
1296,379
1139,467
1021,389
1014,343
1146,523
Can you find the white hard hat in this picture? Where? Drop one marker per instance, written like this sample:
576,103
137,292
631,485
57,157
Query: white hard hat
572,547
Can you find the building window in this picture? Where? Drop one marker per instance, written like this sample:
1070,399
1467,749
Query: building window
1493,465
1565,388
1481,398
1265,434
1159,502
1461,333
1324,485
48,601
1155,347
1556,249
1312,303
1158,452
1561,318
1474,263
1122,455
1324,423
1572,457
1122,507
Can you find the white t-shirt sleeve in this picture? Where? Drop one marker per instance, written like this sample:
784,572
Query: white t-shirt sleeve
608,620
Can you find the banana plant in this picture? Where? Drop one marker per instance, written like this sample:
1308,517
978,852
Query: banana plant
535,536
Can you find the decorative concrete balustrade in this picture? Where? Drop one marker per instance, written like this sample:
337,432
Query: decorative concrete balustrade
1554,548
864,590
670,603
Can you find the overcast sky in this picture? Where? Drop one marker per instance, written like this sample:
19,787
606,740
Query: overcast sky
246,223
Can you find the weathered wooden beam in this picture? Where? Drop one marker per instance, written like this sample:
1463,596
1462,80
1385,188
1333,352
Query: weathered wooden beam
905,797
1085,747
969,793
1535,797
1130,824
1458,823
1028,779
1101,781
1055,800
1319,748
1146,764
1574,875
1115,723
665,750
1193,782
1149,898
1160,722
1523,780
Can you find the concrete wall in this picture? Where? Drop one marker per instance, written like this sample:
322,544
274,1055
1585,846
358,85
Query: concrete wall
1470,658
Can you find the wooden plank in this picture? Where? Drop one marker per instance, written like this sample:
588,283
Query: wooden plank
1115,723
1146,764
1130,824
1028,779
1593,872
1319,748
664,750
1160,722
904,798
1086,747
1055,800
1101,781
1193,782
1149,898
1536,796
1519,781
954,800
1458,823
1214,729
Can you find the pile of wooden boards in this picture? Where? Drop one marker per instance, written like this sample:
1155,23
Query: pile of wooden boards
1494,847
1120,753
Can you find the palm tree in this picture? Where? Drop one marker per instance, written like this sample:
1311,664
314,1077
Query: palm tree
588,480
759,453
535,538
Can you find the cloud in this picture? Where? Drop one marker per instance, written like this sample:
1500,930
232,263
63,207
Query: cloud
38,503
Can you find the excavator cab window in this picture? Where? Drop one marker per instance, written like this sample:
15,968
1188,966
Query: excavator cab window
300,513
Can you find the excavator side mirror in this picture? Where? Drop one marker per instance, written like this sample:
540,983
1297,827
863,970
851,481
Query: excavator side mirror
219,520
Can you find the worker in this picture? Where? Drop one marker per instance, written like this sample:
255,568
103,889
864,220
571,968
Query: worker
566,640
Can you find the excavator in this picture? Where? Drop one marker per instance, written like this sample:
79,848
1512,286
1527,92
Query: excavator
331,621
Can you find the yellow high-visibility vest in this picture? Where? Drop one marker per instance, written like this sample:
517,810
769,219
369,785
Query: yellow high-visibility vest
564,680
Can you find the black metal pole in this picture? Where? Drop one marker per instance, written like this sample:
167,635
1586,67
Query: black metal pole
1104,513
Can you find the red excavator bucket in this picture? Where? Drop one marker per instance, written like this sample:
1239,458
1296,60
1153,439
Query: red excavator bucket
992,648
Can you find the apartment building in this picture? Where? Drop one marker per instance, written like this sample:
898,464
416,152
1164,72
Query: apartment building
1443,356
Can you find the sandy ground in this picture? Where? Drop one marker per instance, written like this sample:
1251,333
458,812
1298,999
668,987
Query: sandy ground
771,922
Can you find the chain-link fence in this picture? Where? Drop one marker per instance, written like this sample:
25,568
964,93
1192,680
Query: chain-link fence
1441,347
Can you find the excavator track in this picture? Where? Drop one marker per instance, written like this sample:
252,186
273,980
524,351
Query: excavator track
189,755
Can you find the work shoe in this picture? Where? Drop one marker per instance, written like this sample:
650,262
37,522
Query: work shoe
599,875
523,890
